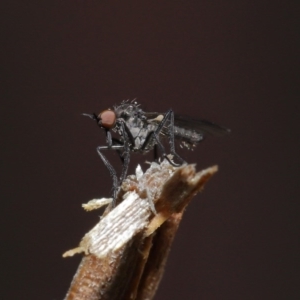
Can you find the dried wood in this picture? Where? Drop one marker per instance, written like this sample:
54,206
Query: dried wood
126,252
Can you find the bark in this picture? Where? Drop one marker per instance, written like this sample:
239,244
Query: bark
126,252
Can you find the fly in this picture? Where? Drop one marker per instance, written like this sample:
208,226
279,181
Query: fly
140,131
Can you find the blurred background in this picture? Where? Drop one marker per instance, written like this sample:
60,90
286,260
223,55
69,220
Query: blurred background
235,63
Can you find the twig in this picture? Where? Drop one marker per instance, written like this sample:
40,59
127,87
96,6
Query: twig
126,252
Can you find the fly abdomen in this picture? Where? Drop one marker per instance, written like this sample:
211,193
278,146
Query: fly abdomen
187,135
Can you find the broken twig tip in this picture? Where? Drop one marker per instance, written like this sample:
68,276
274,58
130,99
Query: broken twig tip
133,239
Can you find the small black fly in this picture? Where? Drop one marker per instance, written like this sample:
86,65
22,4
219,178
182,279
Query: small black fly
141,132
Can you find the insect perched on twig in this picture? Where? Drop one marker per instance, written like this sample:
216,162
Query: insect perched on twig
141,132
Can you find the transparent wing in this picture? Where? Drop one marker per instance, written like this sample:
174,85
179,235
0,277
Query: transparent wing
202,127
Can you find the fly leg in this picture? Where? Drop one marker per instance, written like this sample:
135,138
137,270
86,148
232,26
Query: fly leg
118,142
126,153
155,153
110,168
124,156
169,116
153,135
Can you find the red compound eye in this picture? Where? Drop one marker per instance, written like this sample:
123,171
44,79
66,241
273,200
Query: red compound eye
107,119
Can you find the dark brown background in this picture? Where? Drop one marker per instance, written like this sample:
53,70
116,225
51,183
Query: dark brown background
233,62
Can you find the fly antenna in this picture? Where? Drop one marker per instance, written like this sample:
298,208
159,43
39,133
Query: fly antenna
91,116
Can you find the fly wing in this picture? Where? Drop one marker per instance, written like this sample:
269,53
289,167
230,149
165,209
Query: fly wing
202,127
